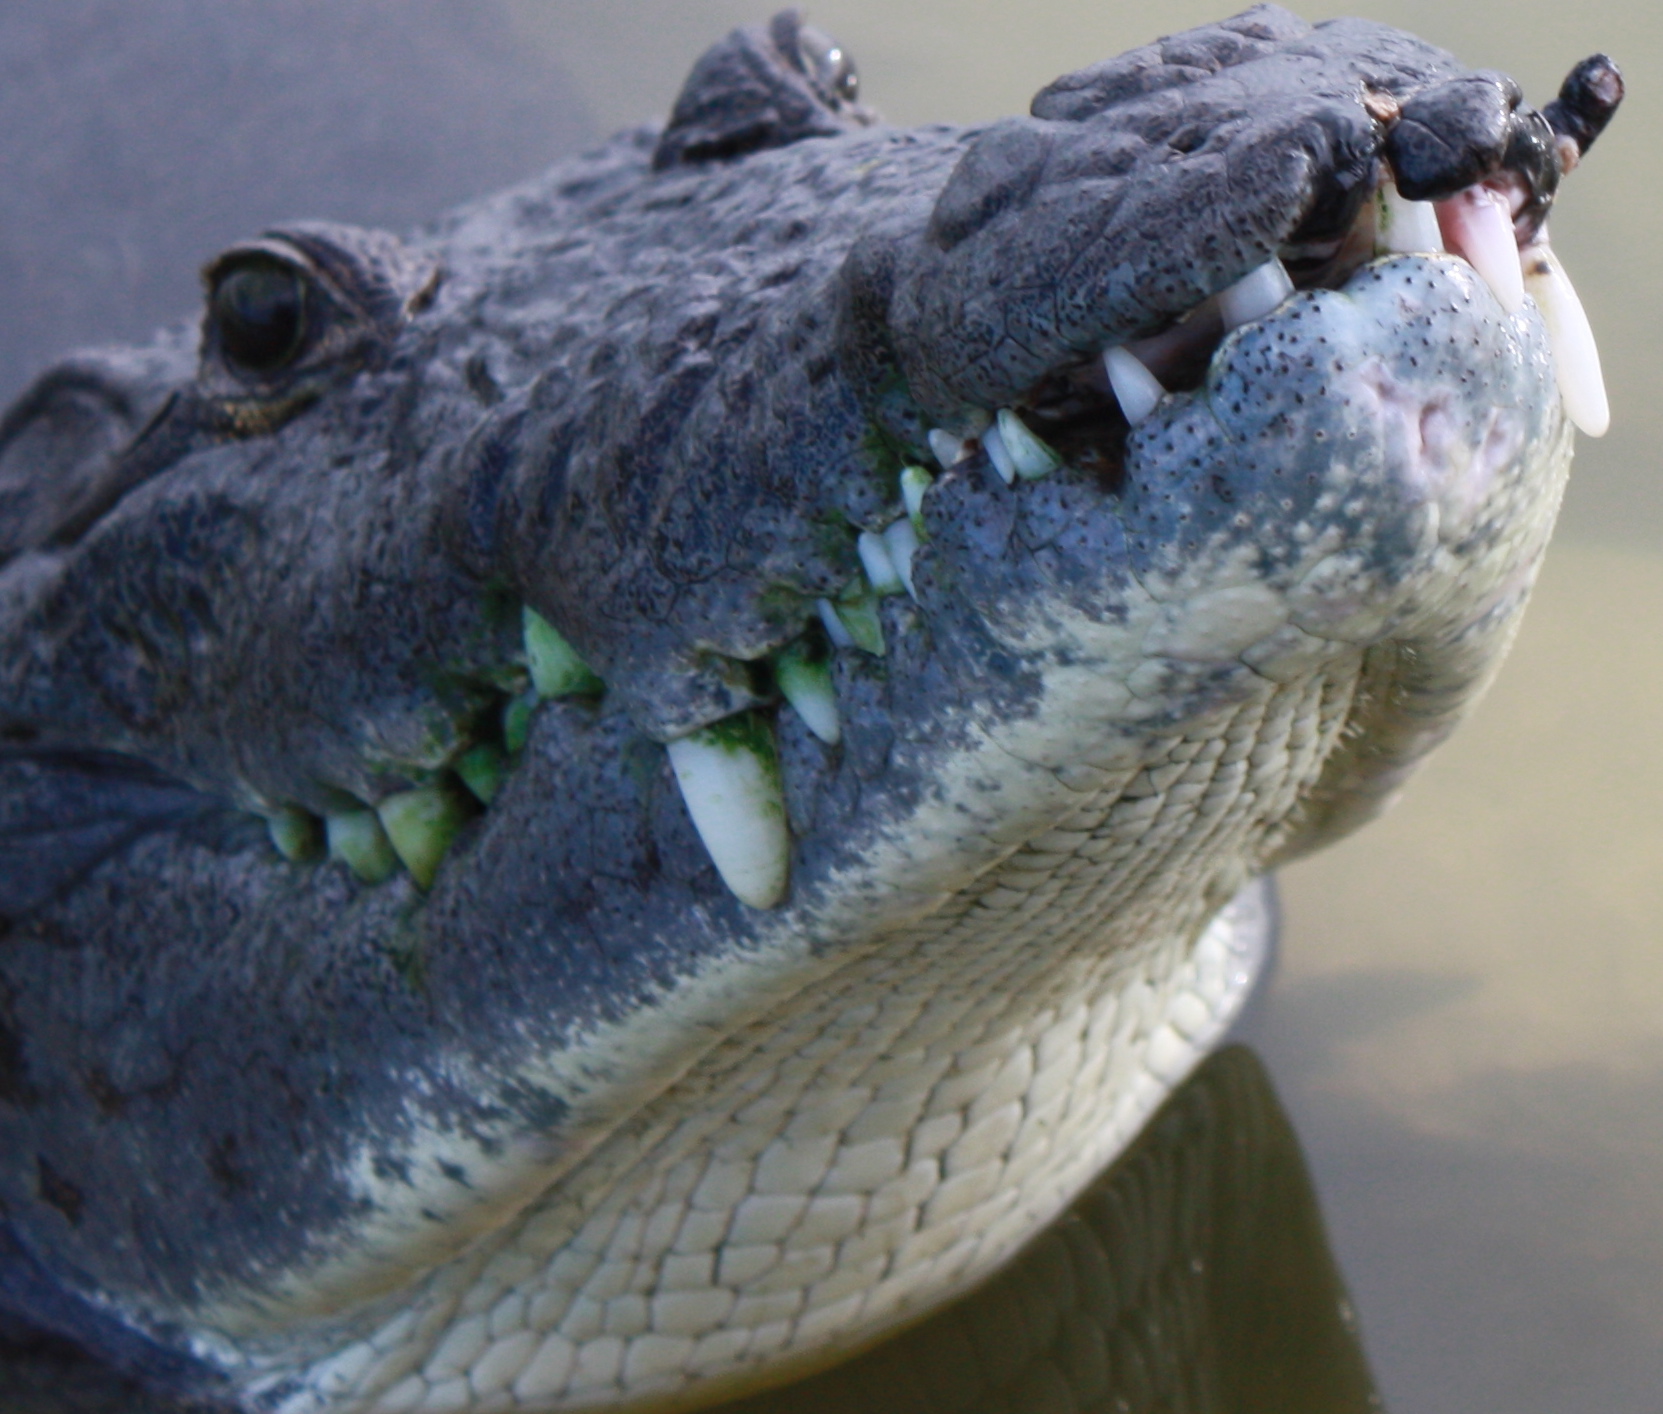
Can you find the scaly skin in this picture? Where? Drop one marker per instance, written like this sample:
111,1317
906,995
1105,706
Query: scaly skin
551,1118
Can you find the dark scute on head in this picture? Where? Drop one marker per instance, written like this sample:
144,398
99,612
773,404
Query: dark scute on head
1001,169
1452,135
751,92
1174,59
1587,100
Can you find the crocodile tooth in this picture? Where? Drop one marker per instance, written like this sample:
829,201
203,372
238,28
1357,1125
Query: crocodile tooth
806,683
880,569
421,825
1575,354
516,720
1406,227
1477,225
915,481
730,780
1255,295
946,447
1031,457
296,834
993,443
857,609
556,670
836,629
901,541
357,839
1136,388
482,769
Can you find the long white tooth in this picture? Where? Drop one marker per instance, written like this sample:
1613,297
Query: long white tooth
1255,294
915,481
880,569
1406,227
901,541
1575,354
946,448
1030,457
994,445
806,683
729,776
1137,389
1478,226
836,629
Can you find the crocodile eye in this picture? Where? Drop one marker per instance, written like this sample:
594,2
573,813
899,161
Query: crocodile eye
831,70
258,306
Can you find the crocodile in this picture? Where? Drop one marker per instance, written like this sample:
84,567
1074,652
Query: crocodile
612,799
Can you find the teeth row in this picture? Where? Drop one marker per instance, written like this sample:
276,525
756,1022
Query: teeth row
1477,225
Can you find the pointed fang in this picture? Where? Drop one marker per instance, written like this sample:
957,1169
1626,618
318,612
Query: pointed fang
1136,388
730,780
946,448
421,824
880,569
901,541
1477,226
1406,227
358,841
1030,456
915,481
1255,295
556,670
806,683
994,445
1575,354
836,629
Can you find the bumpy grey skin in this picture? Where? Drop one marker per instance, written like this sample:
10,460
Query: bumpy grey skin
655,394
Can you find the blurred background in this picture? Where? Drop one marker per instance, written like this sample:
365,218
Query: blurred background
1467,1020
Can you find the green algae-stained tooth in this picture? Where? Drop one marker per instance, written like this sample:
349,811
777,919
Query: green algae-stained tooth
421,824
556,670
482,769
296,834
880,569
1030,456
729,774
806,683
857,611
358,841
915,481
516,721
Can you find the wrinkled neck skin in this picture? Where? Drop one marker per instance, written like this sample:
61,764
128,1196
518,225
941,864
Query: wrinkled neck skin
255,1108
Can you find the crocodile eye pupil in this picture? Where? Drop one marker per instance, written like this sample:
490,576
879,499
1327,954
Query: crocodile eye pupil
260,312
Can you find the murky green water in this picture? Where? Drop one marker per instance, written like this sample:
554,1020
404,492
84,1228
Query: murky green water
1467,1025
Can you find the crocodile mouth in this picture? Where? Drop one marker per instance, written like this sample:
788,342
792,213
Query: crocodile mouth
1056,662
1085,410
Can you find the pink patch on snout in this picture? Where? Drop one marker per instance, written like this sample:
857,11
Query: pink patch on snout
1444,460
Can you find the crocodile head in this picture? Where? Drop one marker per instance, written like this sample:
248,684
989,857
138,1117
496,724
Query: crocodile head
629,790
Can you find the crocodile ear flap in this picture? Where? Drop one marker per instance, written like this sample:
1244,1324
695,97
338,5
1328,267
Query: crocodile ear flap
762,87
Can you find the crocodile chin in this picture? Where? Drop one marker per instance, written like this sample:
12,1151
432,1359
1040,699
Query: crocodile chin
619,798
